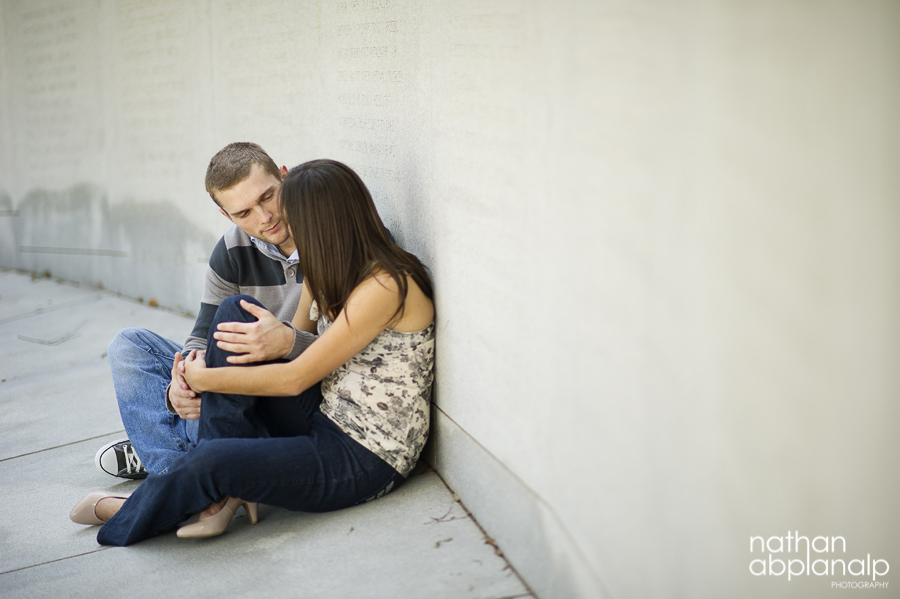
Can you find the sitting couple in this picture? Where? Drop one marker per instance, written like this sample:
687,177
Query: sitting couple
323,413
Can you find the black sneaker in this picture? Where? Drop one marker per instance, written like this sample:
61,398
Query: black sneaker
120,460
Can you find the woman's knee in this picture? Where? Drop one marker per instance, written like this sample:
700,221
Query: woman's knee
206,456
230,310
210,462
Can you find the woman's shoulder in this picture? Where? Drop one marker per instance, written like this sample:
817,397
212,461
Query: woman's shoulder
382,288
379,285
374,298
382,278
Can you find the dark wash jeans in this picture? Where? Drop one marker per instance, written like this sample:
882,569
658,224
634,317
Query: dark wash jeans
277,451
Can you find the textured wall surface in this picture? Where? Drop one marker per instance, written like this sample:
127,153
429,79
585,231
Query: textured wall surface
665,238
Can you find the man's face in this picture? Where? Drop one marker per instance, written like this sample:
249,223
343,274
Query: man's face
253,205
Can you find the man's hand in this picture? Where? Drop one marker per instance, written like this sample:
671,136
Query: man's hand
266,339
181,396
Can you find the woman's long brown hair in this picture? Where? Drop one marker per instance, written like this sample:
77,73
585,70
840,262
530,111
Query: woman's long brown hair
340,237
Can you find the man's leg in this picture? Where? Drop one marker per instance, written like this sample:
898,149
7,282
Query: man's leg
141,364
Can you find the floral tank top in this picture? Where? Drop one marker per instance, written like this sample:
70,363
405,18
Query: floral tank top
381,396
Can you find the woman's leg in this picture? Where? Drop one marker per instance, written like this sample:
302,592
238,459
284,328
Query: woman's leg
323,471
284,454
225,415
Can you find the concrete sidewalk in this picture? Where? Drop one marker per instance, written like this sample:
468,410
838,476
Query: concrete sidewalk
59,407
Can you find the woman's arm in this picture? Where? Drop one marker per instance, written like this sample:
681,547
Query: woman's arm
367,312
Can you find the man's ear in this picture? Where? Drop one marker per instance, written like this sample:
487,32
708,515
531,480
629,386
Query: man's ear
283,171
226,215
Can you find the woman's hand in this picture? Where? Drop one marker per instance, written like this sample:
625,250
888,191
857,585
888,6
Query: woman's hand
193,368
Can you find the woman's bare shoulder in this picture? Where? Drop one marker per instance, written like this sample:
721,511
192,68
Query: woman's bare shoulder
381,287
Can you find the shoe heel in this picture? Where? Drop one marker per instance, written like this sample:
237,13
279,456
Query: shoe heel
213,525
252,511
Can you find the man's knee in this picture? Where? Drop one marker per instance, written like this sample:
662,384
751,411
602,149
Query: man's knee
125,341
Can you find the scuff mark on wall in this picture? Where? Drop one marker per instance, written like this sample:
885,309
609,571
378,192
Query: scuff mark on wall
7,216
146,249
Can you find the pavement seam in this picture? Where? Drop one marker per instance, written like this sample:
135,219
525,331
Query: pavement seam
53,561
63,445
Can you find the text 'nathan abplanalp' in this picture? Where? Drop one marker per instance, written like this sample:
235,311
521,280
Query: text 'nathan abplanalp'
796,555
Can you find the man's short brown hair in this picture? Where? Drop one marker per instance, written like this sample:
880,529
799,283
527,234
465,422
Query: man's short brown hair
232,164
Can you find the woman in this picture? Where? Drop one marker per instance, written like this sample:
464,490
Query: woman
264,437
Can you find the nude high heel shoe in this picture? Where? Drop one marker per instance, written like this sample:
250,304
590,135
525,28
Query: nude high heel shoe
85,511
216,525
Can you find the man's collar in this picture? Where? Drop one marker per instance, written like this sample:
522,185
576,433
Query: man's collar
271,250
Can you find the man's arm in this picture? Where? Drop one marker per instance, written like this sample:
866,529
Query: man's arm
217,287
180,398
264,340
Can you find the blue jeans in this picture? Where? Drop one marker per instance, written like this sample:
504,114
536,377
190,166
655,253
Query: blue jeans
283,453
141,365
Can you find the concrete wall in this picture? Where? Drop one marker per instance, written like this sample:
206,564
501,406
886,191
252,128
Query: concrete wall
665,238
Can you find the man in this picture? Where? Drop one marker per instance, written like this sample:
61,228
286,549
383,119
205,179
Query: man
256,257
